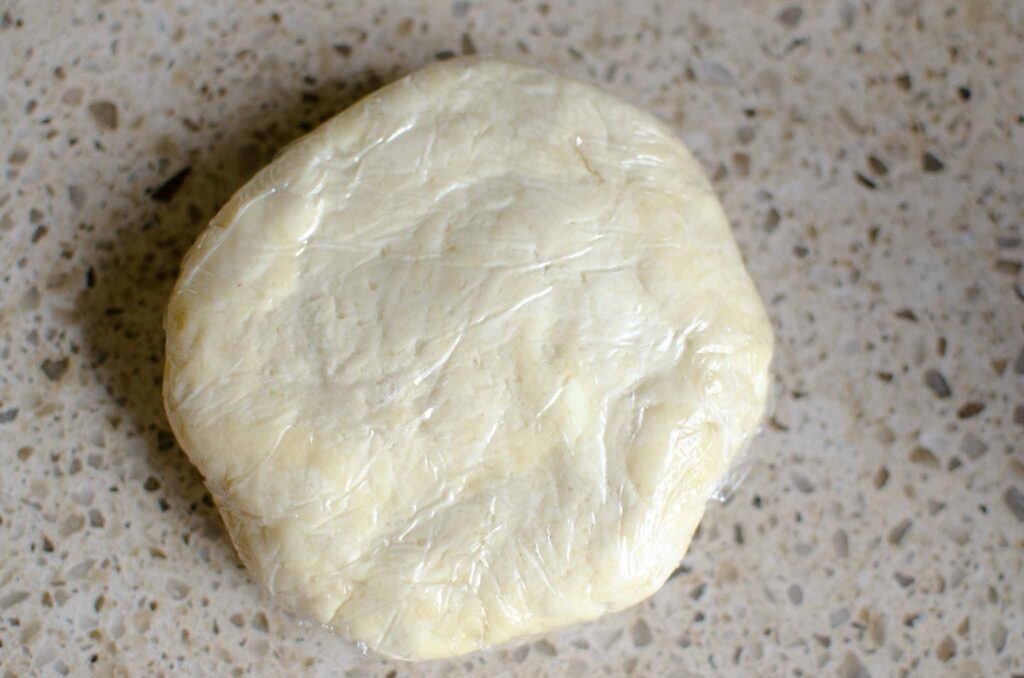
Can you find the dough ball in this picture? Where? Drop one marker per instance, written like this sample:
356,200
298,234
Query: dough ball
466,363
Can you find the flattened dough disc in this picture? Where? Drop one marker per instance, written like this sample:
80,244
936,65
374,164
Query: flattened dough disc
466,363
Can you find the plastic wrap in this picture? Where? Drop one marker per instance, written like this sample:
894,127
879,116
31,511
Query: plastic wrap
466,363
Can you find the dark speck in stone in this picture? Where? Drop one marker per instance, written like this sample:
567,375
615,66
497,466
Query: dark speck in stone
1015,501
802,483
682,569
151,484
971,409
946,649
937,384
877,166
964,93
405,27
852,667
904,82
865,181
164,440
922,455
906,314
104,113
742,163
166,191
641,633
897,533
903,580
260,622
468,48
39,234
18,156
1009,267
8,415
444,55
881,477
931,163
54,369
790,16
77,196
343,50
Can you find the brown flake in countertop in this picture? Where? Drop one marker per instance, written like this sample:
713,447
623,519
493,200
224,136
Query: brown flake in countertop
167,190
946,649
790,16
1015,502
937,384
923,456
55,369
970,409
899,531
104,114
931,163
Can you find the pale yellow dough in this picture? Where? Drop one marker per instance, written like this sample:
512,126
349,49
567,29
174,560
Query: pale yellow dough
466,363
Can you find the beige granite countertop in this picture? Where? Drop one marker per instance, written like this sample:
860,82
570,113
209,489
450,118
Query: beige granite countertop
871,157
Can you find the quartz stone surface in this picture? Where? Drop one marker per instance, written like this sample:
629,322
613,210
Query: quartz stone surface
870,156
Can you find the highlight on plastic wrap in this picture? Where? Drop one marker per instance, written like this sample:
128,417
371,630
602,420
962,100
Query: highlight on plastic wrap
742,464
466,363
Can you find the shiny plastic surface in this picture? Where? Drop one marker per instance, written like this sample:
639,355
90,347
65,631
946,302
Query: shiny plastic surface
466,363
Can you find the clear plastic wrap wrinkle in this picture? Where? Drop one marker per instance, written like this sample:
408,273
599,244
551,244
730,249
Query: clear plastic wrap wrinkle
466,363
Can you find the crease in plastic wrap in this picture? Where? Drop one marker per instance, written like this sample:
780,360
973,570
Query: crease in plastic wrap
466,363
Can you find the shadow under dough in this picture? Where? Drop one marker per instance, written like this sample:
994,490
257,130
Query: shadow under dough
128,286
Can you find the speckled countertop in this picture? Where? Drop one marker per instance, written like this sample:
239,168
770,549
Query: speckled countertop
869,154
